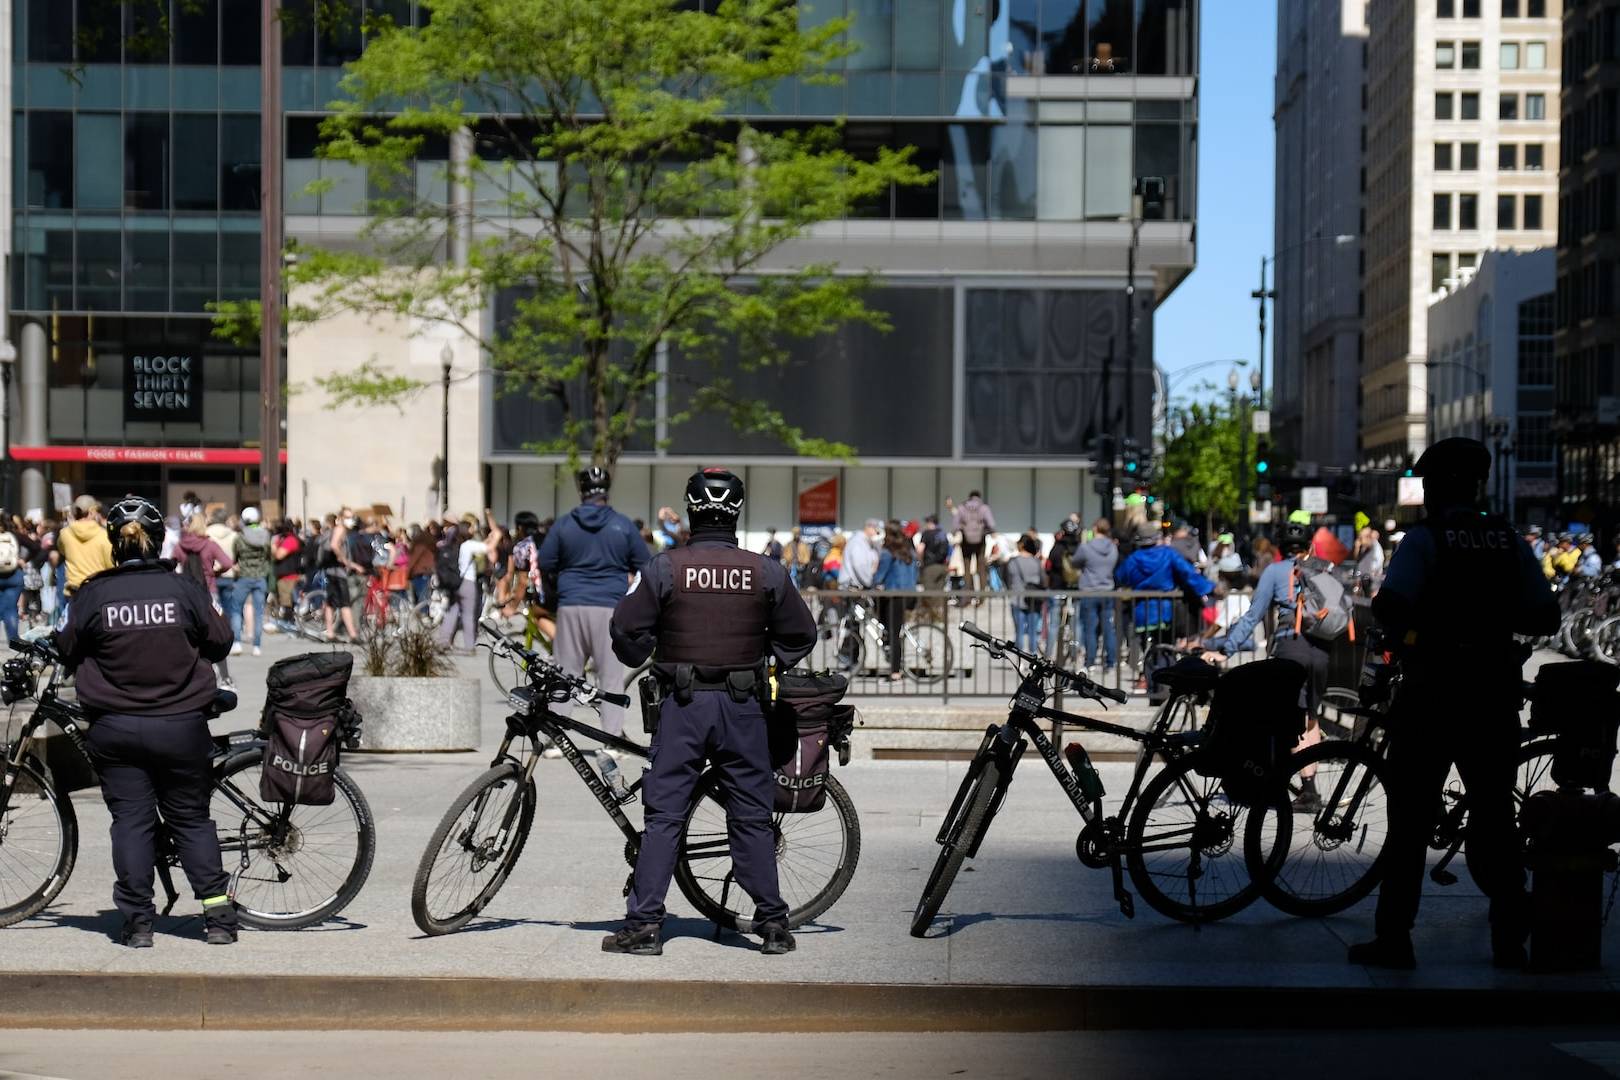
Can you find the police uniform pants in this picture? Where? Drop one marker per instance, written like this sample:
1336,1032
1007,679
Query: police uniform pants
152,765
732,735
1424,743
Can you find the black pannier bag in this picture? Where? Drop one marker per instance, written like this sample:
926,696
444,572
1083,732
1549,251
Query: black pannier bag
1577,702
1255,721
806,721
307,715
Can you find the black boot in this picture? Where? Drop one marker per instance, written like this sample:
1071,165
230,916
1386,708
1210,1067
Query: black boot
642,940
1385,952
137,932
219,921
776,939
1307,801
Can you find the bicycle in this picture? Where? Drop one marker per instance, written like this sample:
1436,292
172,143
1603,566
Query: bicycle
1181,844
926,654
477,843
295,866
506,672
1331,856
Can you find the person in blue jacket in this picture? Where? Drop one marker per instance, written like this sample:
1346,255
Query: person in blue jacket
896,573
596,552
1156,567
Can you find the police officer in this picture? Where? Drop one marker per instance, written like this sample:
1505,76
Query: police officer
1459,587
711,615
142,638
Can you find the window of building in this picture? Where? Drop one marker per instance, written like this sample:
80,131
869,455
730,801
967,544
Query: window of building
1468,156
1510,9
1466,260
1442,156
1442,106
1533,156
1470,56
1535,56
1507,157
1470,9
98,163
1445,54
196,32
1510,56
196,173
1164,37
1507,107
146,160
1534,439
1467,211
1470,106
49,180
1445,9
1442,211
239,163
1439,270
1532,212
1536,9
1506,211
1535,106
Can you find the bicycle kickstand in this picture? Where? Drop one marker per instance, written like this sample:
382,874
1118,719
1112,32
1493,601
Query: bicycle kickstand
166,876
1440,875
725,894
1127,903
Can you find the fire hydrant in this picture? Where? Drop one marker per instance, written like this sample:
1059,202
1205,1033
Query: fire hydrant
1568,836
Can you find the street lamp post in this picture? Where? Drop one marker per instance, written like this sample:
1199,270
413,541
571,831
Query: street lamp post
8,358
1262,294
447,356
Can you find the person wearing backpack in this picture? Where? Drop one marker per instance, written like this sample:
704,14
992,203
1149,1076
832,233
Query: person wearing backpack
974,520
140,639
15,552
1024,572
1095,561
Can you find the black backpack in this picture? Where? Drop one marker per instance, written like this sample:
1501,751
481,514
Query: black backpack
1255,721
447,564
1578,703
806,723
307,716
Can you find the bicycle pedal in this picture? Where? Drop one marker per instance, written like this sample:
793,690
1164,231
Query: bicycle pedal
1442,877
1127,905
629,883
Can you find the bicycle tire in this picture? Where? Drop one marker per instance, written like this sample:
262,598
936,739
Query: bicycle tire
60,867
1605,641
331,867
309,618
505,857
807,900
1214,837
505,672
930,661
964,836
1327,869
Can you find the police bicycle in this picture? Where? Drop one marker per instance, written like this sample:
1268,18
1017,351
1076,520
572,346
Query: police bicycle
1177,833
290,866
477,843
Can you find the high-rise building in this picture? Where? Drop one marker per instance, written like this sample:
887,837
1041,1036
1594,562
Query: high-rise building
1321,133
1462,108
1588,305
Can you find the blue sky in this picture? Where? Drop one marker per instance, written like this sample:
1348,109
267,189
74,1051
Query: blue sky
1211,315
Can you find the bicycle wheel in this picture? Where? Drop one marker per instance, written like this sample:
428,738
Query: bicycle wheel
39,843
1605,641
925,651
506,671
309,616
963,836
290,866
472,852
1184,848
816,855
1575,632
1330,856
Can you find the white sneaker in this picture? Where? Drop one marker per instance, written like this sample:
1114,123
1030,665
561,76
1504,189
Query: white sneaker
551,752
236,648
257,651
608,751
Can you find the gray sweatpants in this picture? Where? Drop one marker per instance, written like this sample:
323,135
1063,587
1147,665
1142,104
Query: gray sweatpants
463,613
582,634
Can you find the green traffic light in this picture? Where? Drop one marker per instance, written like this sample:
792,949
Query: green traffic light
1130,466
1262,466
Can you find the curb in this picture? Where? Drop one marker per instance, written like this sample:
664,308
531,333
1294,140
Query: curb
281,1002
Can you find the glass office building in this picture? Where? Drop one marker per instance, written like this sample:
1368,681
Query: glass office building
135,203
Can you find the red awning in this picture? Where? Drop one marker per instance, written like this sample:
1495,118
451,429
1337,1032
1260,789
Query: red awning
143,455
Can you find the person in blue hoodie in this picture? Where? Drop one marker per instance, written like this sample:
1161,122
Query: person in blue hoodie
1156,567
595,552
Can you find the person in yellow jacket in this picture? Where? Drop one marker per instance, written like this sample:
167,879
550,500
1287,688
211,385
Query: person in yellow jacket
1562,560
84,544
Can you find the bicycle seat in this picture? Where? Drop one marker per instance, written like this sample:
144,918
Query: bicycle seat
1188,676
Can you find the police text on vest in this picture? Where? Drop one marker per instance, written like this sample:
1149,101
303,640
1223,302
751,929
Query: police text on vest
718,579
140,614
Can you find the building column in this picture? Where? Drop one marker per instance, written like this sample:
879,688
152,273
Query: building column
31,390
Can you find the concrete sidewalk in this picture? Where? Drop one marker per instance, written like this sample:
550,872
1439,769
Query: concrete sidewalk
1024,914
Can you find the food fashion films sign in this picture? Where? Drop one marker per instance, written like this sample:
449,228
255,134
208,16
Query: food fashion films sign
162,386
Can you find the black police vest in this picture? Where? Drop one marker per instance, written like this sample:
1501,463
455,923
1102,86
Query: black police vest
1469,601
718,612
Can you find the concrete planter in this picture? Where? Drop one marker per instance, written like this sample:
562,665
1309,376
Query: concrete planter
416,714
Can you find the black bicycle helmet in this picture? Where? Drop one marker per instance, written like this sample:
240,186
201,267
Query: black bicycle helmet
1070,527
134,509
1294,538
714,497
594,480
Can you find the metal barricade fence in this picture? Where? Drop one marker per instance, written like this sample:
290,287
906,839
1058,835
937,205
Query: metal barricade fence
936,659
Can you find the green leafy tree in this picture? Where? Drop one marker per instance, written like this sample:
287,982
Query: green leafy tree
1201,463
622,200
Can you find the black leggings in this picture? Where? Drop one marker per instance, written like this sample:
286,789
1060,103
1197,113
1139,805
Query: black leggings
893,610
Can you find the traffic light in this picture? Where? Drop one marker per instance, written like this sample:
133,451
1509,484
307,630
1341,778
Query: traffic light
1130,462
1262,457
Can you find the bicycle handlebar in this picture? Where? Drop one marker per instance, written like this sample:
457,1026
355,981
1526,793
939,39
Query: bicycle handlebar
1081,683
588,692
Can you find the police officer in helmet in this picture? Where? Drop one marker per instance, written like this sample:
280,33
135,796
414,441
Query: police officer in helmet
1459,587
711,616
143,640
